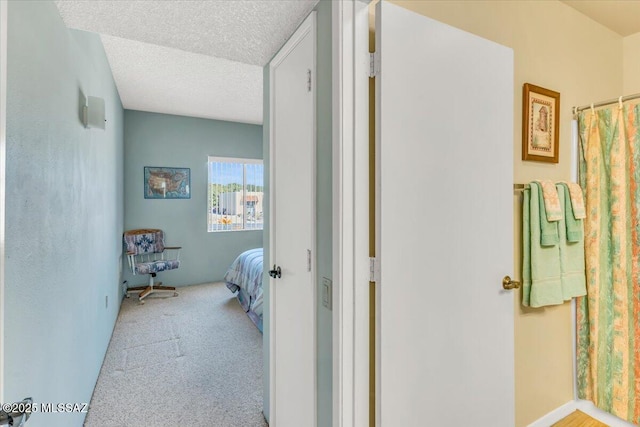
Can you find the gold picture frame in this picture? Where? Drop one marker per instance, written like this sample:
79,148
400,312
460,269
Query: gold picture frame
540,124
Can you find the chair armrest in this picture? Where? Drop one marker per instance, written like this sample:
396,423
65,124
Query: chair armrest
175,248
131,261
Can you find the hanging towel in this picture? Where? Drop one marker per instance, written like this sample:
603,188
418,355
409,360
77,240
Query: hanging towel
577,200
541,274
571,252
551,202
548,229
574,225
526,247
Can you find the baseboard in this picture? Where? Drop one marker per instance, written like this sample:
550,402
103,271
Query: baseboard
593,411
585,406
555,415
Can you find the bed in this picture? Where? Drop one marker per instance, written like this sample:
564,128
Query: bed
244,276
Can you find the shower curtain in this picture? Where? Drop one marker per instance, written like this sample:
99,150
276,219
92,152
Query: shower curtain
608,318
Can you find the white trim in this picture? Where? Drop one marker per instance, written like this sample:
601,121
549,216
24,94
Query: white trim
305,28
361,355
378,219
308,26
219,159
585,406
342,390
3,148
312,21
350,214
611,420
555,415
272,230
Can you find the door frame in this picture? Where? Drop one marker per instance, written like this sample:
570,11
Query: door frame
309,25
3,148
350,53
350,233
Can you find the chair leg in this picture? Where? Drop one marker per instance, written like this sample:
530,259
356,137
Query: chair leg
144,293
135,289
154,287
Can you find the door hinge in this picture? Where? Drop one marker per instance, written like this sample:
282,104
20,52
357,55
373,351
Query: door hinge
374,270
309,260
308,80
374,64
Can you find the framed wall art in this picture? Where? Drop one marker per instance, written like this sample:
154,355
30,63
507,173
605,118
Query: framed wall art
167,183
540,124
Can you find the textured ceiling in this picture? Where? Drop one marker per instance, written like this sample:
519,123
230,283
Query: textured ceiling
171,81
192,58
621,16
249,31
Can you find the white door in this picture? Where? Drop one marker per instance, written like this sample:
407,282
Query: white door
292,147
444,101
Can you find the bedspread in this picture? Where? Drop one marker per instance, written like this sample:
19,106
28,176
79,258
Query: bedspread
245,277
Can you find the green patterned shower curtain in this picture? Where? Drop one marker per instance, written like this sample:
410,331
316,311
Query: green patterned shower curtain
608,318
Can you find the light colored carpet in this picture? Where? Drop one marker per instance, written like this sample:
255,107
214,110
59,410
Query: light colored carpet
193,360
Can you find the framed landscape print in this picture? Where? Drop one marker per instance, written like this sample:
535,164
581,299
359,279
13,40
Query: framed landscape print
540,124
167,183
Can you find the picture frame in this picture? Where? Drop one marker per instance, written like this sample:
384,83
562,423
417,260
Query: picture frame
540,124
167,183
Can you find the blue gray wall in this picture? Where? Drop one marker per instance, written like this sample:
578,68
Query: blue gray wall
64,211
153,139
324,213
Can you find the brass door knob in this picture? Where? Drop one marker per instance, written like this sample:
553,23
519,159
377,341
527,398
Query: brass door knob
509,284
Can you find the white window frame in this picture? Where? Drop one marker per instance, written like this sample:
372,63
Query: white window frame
236,160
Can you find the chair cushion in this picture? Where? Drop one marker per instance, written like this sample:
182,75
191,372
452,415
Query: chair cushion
144,241
156,266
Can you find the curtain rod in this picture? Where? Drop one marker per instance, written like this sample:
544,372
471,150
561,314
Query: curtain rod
607,102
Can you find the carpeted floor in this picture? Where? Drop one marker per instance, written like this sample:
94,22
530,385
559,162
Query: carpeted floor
193,360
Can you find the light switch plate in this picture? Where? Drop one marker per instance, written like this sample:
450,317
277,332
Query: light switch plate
327,292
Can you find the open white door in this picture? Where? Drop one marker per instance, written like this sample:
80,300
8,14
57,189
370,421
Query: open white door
292,343
444,101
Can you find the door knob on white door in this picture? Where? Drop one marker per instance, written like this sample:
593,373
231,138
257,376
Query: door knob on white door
509,284
276,273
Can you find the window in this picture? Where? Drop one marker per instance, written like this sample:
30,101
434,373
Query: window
235,194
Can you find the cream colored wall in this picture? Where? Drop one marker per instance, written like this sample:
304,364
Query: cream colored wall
560,49
631,76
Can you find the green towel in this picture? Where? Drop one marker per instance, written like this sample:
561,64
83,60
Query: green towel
574,226
541,274
526,248
548,230
571,252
